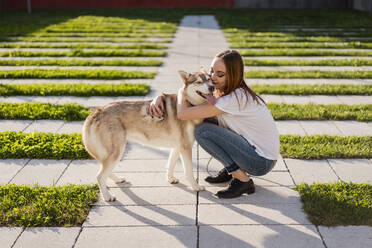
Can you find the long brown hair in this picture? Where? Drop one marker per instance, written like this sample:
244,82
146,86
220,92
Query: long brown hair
235,75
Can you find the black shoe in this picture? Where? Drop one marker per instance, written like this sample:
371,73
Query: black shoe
237,188
221,177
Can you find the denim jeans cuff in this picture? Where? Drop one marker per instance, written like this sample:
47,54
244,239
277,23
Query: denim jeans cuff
232,168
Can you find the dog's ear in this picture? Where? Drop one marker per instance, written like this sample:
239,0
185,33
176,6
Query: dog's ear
202,69
184,75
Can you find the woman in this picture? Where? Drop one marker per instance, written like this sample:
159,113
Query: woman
246,140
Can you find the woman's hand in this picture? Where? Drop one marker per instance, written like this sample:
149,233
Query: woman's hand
156,107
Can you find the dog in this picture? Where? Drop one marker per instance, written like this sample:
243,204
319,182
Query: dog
107,130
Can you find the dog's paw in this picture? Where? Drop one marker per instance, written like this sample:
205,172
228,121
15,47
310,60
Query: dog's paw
198,188
173,180
120,180
109,198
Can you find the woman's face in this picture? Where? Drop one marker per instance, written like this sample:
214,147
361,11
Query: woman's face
218,73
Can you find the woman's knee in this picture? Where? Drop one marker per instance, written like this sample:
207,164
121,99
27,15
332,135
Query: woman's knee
200,130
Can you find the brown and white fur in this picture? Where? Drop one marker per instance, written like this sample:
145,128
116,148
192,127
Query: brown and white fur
107,130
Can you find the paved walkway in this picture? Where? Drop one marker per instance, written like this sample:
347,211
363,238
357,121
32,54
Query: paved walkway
149,212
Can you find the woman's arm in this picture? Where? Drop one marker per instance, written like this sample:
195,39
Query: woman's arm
185,112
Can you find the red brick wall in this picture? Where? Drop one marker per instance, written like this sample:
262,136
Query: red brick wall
84,4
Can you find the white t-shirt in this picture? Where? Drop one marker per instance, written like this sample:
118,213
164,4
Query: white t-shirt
252,121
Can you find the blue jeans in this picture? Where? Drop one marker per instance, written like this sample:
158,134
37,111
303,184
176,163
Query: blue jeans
232,150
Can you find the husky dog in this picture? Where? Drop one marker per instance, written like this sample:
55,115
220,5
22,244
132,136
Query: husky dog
107,130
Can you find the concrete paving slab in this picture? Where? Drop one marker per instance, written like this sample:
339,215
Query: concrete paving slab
251,81
353,170
259,236
138,151
148,165
14,125
8,235
9,168
273,98
310,68
325,100
175,215
296,99
272,179
44,126
60,237
42,172
291,127
310,171
72,127
248,214
143,236
351,100
347,236
351,128
80,172
263,195
320,127
151,196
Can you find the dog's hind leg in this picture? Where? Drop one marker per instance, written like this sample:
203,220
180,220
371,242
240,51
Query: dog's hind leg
104,172
173,156
186,155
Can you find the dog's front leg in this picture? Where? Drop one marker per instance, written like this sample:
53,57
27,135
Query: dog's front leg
173,156
186,155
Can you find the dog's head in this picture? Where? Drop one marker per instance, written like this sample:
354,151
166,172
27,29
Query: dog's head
197,85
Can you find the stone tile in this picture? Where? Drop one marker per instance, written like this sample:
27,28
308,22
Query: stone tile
9,168
347,236
247,214
259,236
310,171
8,235
353,170
176,215
351,128
71,127
80,172
44,126
292,127
272,179
320,127
14,125
262,195
152,196
42,172
144,236
52,236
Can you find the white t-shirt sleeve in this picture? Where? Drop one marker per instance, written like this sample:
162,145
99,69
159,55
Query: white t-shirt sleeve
229,103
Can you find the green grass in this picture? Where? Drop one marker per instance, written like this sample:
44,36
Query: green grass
16,145
338,203
81,53
39,206
95,40
321,112
104,34
303,52
83,45
242,39
313,89
40,111
74,112
325,146
80,62
308,74
300,45
300,62
74,73
45,89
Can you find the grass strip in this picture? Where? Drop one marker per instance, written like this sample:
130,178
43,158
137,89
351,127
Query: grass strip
301,62
237,39
81,53
260,33
64,39
310,111
308,74
74,112
303,52
80,62
50,89
16,145
301,45
74,73
83,45
104,34
339,203
40,206
313,89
